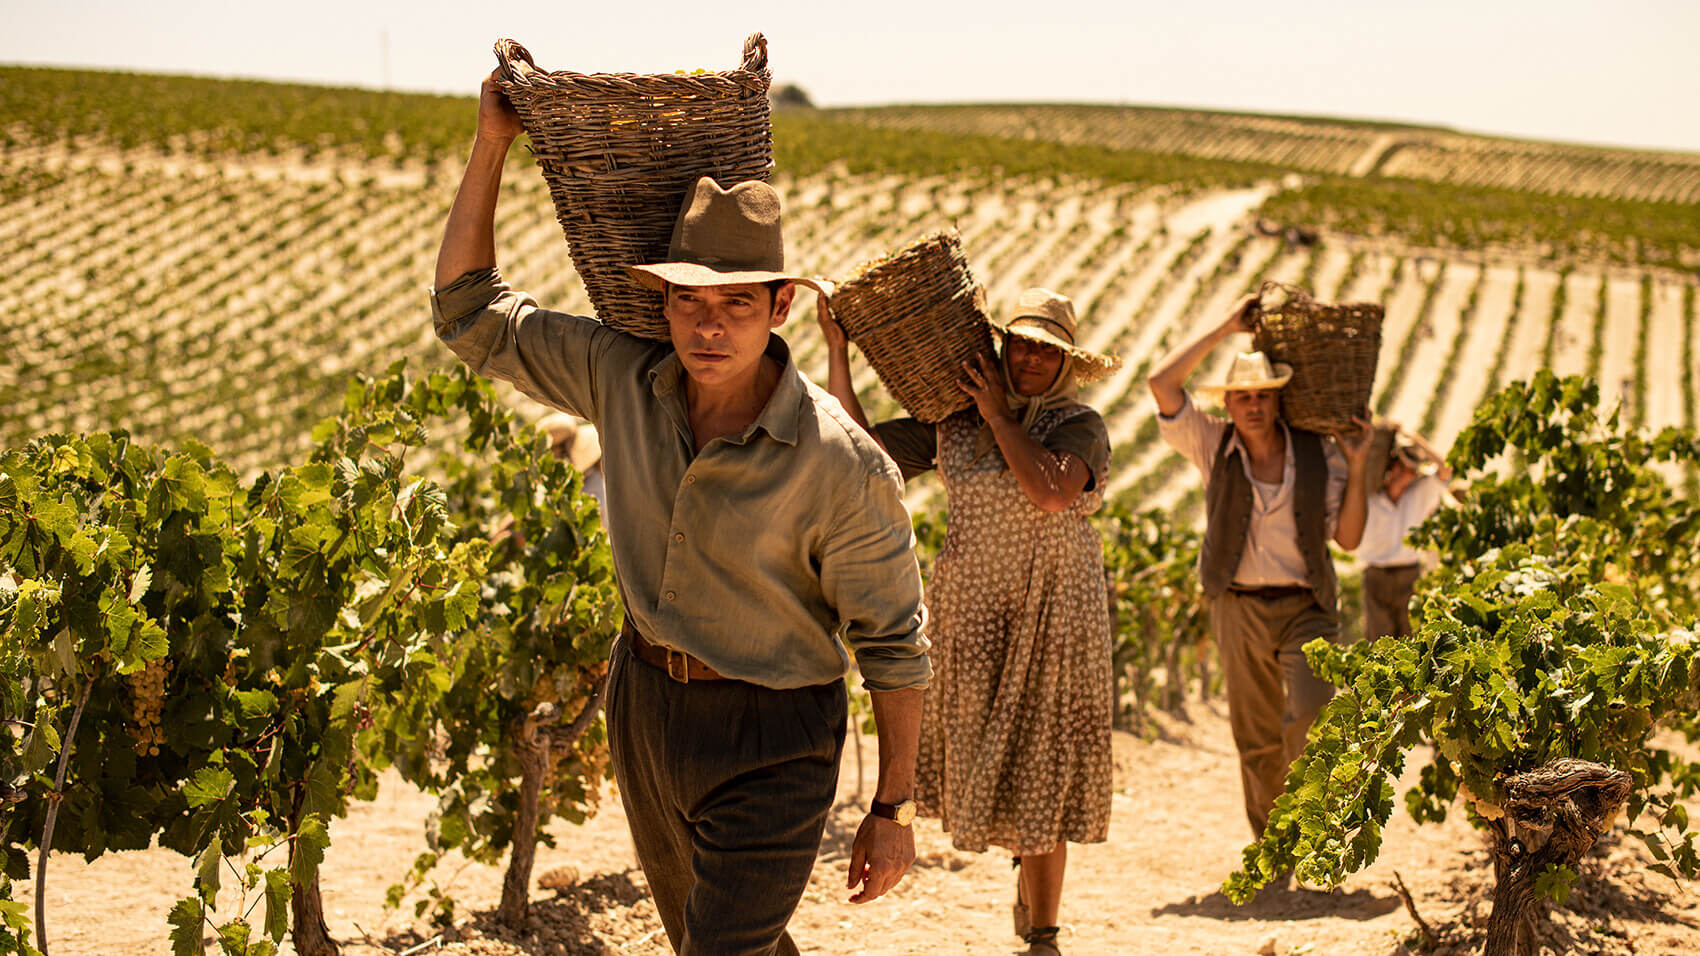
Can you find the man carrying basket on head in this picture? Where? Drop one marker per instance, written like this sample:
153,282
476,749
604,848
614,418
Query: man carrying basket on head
1274,497
1406,497
752,524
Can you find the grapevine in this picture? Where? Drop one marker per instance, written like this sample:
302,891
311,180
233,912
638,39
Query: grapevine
306,624
1555,630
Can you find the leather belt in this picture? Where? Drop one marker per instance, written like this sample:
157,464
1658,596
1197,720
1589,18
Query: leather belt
680,666
1270,593
1407,566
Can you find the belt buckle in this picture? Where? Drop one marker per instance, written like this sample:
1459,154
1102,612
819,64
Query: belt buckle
682,673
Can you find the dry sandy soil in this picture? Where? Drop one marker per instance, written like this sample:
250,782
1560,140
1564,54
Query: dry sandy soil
1176,831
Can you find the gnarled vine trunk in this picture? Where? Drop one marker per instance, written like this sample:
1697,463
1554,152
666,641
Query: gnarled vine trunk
307,929
539,745
1553,815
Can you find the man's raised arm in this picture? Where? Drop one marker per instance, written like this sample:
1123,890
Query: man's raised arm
469,239
1168,382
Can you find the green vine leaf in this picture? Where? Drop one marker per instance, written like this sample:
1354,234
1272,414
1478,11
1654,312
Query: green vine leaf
186,919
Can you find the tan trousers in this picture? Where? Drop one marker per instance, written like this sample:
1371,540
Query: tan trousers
1387,600
1272,695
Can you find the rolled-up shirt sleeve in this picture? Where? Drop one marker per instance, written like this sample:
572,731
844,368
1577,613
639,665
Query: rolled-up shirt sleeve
912,444
1085,437
869,576
502,334
1193,433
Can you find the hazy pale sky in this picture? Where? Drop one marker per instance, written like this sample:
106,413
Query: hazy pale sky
1622,72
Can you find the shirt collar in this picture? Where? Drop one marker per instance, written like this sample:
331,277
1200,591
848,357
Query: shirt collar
782,416
1234,444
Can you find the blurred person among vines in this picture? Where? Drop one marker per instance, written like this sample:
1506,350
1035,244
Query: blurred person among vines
758,537
1274,497
1015,741
1413,485
575,442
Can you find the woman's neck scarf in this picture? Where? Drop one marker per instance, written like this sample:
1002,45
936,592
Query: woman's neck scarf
1027,408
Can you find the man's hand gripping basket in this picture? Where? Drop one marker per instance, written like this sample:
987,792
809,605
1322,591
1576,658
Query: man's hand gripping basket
619,151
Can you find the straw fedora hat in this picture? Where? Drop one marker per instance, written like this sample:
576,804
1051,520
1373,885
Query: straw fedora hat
723,237
1041,315
1251,371
578,438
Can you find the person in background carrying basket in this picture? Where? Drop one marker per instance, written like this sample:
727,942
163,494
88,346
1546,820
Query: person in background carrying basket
1407,496
1015,739
1274,496
752,524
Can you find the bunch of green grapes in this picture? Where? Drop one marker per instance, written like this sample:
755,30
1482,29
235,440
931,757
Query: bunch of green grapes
147,699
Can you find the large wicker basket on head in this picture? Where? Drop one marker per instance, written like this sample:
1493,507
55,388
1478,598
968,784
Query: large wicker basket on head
917,315
619,152
1332,349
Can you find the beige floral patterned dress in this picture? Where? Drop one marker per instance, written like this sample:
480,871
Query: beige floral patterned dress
1015,732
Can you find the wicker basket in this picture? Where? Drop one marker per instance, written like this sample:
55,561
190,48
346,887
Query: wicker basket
1332,349
619,152
918,315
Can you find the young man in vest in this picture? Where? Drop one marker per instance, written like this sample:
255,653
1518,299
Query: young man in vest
757,531
1274,497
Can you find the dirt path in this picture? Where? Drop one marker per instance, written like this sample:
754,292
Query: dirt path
1481,344
1665,397
1524,357
1176,830
1617,344
1576,324
1428,359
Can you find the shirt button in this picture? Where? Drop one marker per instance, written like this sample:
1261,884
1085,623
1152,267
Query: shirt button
671,595
690,479
679,537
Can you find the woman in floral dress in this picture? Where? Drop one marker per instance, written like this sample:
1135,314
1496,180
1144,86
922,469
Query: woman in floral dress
1015,735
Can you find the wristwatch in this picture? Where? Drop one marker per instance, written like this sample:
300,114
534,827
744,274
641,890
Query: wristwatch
901,813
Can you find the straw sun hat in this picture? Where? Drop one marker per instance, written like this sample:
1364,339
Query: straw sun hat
578,438
724,237
1041,315
1251,371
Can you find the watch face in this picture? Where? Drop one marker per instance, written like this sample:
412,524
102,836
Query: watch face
905,813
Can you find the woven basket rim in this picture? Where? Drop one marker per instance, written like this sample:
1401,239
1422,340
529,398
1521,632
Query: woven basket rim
914,247
518,67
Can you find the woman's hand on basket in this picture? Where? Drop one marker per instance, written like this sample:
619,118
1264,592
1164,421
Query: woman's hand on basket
983,381
497,118
836,341
1243,316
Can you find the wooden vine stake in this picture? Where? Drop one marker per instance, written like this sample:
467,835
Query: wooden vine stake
53,816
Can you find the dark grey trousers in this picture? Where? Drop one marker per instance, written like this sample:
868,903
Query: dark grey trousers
726,786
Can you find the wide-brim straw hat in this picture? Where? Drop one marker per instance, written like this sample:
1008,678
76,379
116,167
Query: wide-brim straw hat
1386,445
1041,315
724,237
1251,371
583,445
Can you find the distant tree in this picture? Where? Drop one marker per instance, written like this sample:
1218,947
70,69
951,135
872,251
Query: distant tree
791,96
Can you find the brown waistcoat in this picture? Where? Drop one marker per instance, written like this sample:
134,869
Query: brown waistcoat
1228,507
